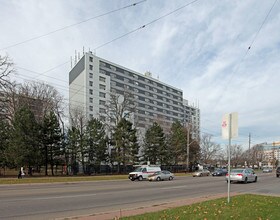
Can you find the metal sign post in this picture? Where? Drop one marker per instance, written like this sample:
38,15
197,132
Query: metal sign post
229,131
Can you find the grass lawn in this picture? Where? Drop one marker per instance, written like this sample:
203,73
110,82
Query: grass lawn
57,179
66,179
241,207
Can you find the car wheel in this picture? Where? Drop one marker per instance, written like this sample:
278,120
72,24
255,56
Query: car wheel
246,180
170,178
200,174
132,179
256,179
140,178
158,179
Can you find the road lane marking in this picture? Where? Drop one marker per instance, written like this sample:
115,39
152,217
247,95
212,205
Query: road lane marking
51,197
173,187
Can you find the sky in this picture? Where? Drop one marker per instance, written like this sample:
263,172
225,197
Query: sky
224,55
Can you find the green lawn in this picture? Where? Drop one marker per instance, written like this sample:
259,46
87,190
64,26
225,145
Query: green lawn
66,179
57,179
241,207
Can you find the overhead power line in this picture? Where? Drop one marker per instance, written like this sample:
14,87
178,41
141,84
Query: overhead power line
145,25
128,33
245,55
71,25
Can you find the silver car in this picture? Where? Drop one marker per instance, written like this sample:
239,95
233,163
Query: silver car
161,175
203,172
242,175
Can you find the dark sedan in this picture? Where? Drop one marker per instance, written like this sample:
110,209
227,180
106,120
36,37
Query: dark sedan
220,172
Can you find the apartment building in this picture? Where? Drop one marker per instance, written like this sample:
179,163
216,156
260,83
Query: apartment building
93,79
271,151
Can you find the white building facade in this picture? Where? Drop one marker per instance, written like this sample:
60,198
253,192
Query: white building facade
93,79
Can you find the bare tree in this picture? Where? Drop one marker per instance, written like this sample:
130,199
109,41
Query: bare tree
120,106
79,124
6,68
209,150
43,93
237,155
40,97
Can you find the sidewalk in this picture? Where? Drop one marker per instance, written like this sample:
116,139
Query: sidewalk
116,214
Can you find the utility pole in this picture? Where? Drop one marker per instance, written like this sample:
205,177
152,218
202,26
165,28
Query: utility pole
249,150
188,148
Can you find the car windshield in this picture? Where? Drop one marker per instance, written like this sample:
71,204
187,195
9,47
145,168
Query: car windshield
138,169
237,171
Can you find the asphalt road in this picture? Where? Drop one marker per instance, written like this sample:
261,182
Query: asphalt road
49,201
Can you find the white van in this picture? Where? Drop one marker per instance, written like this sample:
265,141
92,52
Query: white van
143,172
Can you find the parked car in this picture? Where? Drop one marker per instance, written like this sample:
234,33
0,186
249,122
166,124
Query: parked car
161,175
267,170
242,175
220,172
203,172
277,171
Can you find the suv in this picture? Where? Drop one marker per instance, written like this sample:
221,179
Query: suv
277,171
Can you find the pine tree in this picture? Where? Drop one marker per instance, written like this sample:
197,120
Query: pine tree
73,149
155,148
25,139
126,144
5,131
178,143
97,142
52,137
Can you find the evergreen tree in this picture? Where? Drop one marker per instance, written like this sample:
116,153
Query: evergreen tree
73,149
155,148
5,130
178,143
97,142
24,148
52,137
125,141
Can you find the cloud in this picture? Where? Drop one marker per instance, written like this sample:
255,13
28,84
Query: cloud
201,49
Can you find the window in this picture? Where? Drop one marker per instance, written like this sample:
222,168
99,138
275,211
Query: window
91,108
102,64
102,79
102,87
90,100
91,75
102,94
90,83
90,116
102,110
102,102
91,92
91,67
113,68
90,59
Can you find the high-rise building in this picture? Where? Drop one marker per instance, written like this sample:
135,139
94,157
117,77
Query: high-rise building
93,79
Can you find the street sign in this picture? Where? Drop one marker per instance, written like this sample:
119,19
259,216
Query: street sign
230,127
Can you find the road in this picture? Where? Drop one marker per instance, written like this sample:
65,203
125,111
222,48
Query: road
58,200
